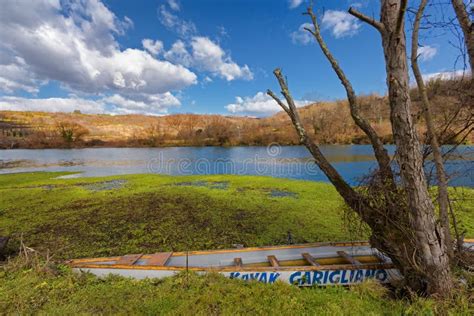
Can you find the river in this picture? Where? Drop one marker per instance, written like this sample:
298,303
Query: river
352,161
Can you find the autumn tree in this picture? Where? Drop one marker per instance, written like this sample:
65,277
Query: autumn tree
401,215
71,132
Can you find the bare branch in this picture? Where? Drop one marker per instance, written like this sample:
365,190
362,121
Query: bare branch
352,198
277,100
381,154
379,26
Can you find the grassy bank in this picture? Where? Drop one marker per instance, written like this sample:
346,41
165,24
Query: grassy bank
71,218
149,213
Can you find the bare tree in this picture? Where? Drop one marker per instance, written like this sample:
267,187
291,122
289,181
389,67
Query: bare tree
443,197
402,218
467,27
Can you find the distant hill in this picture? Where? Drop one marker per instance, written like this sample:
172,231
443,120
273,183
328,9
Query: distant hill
326,122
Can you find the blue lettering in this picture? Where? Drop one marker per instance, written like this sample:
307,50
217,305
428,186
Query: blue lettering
273,277
234,275
326,273
306,278
343,277
245,277
293,277
359,276
353,273
332,276
369,274
263,277
317,277
254,276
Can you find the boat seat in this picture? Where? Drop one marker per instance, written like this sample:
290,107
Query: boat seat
310,259
129,259
159,259
273,261
349,258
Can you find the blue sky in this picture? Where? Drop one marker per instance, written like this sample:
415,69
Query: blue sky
187,56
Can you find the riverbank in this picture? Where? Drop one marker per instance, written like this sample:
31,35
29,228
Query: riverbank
89,217
327,122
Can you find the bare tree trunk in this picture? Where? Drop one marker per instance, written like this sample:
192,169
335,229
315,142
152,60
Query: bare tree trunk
443,198
429,242
467,28
406,230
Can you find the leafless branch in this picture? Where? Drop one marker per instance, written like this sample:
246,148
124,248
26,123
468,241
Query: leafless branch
381,154
371,21
277,99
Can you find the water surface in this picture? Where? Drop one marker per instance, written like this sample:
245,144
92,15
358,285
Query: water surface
352,161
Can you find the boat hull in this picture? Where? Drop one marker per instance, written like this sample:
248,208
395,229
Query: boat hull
342,263
301,277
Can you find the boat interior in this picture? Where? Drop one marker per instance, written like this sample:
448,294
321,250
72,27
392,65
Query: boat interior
306,255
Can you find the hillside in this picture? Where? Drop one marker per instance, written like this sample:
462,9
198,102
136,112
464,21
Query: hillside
327,122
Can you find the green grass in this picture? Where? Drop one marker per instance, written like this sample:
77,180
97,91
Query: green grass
148,213
72,218
65,293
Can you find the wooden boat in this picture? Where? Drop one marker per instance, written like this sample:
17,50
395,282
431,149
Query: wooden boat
304,265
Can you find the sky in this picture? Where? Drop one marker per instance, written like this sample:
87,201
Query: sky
189,56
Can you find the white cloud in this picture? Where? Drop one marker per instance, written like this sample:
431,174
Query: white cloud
446,75
144,104
427,52
200,52
209,56
295,3
153,47
51,105
75,45
340,23
174,5
179,54
174,23
114,104
302,36
260,104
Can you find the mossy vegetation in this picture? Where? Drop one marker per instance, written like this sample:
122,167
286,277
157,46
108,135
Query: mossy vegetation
88,217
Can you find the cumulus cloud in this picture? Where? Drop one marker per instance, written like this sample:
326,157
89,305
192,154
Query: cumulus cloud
427,52
153,47
340,23
179,54
294,3
446,75
301,36
260,104
209,56
74,43
206,55
113,104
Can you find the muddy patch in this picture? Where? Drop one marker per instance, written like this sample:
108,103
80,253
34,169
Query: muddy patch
6,164
281,194
105,185
219,185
